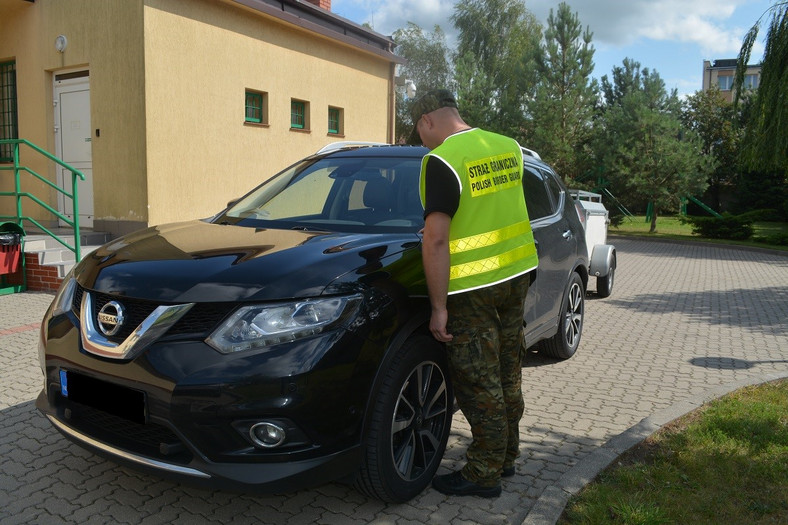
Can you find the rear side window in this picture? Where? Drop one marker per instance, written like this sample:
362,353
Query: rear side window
554,187
537,199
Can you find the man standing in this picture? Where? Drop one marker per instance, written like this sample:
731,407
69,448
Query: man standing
478,249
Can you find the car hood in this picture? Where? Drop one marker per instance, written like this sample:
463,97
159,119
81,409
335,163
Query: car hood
198,261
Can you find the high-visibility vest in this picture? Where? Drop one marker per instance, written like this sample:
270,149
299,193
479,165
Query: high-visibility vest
490,237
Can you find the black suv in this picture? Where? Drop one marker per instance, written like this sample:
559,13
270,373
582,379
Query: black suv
283,342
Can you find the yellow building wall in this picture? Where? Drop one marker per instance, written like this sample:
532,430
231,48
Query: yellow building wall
200,57
18,20
167,85
104,36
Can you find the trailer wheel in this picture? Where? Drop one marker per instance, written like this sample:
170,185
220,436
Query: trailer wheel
604,284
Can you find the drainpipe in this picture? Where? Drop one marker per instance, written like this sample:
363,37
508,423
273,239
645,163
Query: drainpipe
392,110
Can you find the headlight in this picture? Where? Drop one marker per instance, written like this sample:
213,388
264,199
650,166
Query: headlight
64,296
263,325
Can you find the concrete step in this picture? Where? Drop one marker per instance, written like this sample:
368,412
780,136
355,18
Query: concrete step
41,242
63,267
52,253
51,256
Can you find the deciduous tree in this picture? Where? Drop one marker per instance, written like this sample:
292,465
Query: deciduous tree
647,153
765,145
714,119
427,66
495,73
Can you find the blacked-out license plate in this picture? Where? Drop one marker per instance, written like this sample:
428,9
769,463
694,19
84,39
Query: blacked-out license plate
102,395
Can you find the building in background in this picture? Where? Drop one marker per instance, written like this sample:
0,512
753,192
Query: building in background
721,73
172,108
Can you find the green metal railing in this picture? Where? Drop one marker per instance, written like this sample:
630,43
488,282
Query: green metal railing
18,194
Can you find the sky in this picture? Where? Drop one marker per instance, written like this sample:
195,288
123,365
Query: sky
672,37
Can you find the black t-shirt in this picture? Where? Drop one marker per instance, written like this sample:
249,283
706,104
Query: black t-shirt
441,189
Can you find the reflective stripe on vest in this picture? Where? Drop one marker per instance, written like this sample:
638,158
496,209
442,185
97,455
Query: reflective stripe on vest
489,238
491,263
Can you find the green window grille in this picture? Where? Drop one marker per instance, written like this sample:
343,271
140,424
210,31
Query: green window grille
9,128
333,120
297,114
254,107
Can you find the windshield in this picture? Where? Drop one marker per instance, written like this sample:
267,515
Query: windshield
346,194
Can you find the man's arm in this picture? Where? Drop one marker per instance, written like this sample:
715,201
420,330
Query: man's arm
435,255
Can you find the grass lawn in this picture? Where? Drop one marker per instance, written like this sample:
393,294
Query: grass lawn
726,462
670,227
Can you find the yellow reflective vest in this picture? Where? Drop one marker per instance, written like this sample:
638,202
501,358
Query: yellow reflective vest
490,237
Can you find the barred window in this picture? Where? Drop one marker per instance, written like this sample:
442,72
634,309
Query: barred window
299,116
9,128
256,107
335,121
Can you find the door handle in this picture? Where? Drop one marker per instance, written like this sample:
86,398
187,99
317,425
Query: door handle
567,234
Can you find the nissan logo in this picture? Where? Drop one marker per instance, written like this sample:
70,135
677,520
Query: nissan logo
110,318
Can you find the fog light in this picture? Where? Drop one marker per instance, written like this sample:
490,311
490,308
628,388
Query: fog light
267,435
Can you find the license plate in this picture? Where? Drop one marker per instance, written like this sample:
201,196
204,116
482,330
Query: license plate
102,395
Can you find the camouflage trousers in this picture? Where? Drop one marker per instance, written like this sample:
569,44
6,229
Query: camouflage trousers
485,364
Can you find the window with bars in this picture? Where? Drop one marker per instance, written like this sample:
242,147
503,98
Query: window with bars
335,121
8,109
256,107
299,118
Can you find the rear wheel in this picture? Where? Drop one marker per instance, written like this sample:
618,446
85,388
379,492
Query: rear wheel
564,343
410,423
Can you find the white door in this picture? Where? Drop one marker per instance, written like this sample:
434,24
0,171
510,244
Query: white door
73,142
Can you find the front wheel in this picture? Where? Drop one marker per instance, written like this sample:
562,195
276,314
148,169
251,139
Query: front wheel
564,343
410,423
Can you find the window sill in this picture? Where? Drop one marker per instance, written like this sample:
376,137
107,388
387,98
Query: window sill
297,130
257,124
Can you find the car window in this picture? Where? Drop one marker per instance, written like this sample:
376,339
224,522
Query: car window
556,191
537,199
308,196
352,194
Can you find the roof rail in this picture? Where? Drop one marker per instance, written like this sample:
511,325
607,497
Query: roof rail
531,152
346,144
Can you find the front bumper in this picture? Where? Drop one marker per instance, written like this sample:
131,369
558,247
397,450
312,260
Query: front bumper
182,410
263,478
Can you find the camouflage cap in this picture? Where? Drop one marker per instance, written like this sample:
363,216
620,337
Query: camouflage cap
427,103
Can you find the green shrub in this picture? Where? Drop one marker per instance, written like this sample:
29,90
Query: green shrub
733,227
777,239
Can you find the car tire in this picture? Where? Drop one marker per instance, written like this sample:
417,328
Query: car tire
604,285
564,343
410,424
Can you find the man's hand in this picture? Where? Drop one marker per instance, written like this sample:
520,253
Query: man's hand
438,321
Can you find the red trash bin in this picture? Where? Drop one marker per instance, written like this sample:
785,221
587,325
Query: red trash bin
10,248
10,257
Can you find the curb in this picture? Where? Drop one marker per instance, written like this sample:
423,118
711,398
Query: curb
699,242
551,503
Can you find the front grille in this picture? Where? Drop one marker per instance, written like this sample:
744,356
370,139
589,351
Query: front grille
200,320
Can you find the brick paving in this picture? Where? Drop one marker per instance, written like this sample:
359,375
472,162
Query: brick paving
686,323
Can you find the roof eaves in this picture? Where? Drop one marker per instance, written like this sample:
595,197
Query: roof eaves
326,23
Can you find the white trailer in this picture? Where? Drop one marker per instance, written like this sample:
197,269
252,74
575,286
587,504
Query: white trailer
601,256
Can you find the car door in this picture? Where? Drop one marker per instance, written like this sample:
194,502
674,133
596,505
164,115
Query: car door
556,245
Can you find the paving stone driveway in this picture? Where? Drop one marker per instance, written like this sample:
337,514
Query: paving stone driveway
685,323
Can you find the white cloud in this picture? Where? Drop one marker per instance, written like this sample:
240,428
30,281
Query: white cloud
386,16
671,36
615,23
